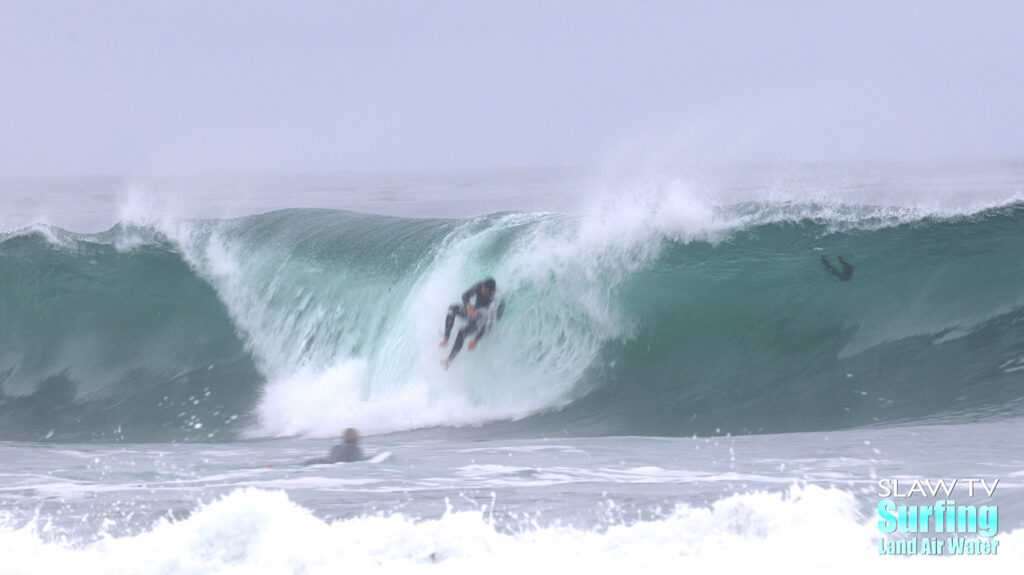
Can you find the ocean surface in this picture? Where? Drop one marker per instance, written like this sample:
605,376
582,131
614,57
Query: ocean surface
678,381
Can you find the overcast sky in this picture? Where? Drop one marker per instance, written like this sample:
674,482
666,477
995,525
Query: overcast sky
226,86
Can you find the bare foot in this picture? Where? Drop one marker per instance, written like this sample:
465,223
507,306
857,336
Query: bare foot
444,342
446,363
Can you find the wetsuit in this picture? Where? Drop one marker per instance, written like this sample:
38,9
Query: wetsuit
844,275
341,453
473,325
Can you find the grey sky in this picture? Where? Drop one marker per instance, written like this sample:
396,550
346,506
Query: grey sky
237,86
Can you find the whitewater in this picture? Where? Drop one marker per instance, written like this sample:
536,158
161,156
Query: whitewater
677,380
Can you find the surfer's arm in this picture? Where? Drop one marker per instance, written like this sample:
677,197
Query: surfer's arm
828,266
475,290
469,294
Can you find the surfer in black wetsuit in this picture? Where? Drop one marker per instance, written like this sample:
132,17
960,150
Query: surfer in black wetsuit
345,452
845,274
482,294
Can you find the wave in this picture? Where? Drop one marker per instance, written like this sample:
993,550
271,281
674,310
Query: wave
645,317
101,338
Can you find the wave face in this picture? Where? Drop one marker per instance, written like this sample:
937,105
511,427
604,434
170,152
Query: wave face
104,342
656,319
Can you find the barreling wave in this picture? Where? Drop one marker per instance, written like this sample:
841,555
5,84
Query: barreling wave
661,318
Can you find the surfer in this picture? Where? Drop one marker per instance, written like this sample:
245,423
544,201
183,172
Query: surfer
345,452
482,294
845,274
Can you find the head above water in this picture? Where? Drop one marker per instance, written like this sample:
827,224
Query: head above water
490,285
351,435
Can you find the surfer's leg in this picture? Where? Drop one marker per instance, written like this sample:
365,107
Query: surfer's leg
847,272
479,332
459,339
468,329
449,320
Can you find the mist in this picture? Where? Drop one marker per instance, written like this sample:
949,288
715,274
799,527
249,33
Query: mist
238,87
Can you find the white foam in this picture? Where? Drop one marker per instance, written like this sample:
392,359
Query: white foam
53,235
259,532
360,351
